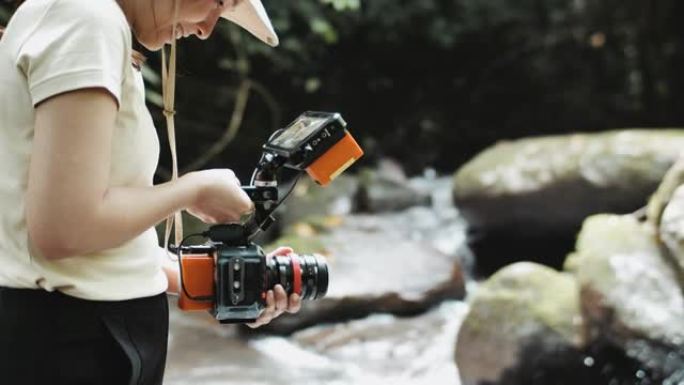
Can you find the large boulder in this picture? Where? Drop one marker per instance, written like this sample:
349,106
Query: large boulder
671,231
309,200
525,316
662,196
526,199
385,188
630,295
374,268
381,191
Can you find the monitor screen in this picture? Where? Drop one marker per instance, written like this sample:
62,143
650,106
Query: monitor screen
298,131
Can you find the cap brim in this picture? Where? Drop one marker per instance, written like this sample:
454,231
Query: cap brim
251,15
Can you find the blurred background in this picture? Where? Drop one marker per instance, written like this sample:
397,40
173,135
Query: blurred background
516,217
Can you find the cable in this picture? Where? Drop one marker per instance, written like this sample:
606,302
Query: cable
292,186
299,174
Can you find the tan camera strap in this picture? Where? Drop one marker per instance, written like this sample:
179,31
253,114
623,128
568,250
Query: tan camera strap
169,92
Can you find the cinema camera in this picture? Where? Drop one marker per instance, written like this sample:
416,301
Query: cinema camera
230,275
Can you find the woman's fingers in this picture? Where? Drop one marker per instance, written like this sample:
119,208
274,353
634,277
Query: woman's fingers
295,303
280,300
277,302
218,196
267,314
281,251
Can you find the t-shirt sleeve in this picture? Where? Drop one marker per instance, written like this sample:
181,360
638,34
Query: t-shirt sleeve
76,45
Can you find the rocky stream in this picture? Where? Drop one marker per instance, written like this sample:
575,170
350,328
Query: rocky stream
563,265
408,252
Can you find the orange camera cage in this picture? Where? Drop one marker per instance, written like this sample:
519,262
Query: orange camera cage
198,279
337,159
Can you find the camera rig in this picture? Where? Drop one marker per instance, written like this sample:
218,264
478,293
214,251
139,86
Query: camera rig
230,275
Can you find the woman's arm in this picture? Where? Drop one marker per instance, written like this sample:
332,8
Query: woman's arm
70,208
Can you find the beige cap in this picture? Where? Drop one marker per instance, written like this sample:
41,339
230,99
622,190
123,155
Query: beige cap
251,15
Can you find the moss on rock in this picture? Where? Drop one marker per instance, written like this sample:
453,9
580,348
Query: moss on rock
521,305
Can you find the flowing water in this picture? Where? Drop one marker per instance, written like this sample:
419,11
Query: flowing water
380,349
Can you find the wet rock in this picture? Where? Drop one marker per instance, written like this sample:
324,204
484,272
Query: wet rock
386,349
390,169
630,296
526,199
309,200
380,349
377,267
382,192
671,231
525,317
597,364
661,198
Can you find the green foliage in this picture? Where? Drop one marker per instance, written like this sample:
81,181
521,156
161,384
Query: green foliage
447,76
342,5
4,15
451,77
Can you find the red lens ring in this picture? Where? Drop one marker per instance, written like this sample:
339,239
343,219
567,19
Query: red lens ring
296,275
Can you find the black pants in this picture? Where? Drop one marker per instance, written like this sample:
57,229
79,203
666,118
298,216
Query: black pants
52,338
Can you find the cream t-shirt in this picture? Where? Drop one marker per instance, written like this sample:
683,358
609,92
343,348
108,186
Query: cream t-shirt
51,47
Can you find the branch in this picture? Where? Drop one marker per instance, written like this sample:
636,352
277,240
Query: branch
271,103
230,132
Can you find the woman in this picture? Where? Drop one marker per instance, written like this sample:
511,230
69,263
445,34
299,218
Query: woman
82,278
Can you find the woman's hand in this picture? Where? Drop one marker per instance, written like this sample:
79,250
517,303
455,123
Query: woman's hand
219,196
277,301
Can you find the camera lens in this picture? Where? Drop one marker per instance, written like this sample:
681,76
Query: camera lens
306,274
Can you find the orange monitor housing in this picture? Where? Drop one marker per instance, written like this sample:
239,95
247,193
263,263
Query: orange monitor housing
337,159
